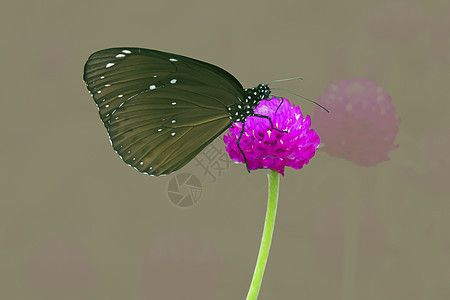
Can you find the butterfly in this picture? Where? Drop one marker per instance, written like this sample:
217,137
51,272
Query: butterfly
161,109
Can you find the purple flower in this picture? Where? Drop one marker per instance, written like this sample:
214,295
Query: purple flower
267,148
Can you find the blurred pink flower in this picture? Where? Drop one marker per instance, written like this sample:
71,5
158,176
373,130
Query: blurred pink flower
361,125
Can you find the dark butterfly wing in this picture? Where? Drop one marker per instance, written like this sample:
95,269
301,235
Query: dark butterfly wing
160,109
117,74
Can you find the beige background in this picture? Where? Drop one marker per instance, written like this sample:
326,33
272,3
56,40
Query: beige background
77,223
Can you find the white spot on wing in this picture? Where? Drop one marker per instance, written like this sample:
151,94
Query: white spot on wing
120,96
173,81
173,59
173,133
120,55
126,51
173,103
152,87
99,92
173,121
108,65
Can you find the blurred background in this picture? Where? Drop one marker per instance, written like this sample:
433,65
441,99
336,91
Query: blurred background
78,223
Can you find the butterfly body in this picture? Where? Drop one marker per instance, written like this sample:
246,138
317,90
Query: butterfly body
161,109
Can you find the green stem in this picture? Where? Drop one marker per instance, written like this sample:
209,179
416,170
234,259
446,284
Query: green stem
274,185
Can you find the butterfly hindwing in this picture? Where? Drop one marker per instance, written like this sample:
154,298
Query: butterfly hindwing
158,136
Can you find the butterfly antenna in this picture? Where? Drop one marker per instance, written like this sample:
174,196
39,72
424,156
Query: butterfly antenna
286,79
310,100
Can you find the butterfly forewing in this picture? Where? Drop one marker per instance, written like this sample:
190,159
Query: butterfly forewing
160,109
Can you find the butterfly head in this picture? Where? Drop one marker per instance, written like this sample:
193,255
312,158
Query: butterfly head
253,96
263,91
257,94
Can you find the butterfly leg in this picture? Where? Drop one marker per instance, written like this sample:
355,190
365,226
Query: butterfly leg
239,147
281,103
270,120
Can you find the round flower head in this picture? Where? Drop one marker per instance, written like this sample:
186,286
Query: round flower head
265,147
361,125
